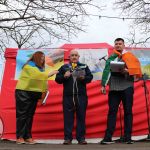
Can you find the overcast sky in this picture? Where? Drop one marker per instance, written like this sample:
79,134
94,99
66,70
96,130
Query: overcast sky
99,30
103,29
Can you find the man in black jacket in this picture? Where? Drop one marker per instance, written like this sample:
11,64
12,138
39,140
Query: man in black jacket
74,77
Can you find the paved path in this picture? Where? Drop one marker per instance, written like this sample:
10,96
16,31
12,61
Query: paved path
7,145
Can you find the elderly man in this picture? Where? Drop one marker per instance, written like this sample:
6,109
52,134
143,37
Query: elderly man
121,88
74,76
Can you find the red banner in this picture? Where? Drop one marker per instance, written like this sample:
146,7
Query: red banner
48,120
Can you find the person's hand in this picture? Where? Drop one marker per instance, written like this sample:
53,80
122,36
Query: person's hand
125,71
52,73
136,79
103,90
81,77
67,74
39,102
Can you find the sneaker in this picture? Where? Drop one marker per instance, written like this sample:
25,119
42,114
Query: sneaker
29,141
20,141
106,141
67,142
83,142
129,142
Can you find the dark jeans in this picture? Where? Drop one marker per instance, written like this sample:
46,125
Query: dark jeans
114,99
26,102
69,110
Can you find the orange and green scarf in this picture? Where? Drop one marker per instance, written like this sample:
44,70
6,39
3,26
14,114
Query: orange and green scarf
130,60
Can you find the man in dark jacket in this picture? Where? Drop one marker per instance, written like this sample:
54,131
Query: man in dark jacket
74,77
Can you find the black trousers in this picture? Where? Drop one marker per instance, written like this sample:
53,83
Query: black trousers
114,99
26,102
69,110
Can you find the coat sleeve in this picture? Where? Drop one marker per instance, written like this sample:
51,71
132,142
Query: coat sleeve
106,72
88,76
60,76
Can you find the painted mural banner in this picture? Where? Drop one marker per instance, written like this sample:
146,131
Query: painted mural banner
144,58
95,59
54,58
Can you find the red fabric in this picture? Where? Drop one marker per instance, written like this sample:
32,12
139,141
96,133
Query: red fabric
48,120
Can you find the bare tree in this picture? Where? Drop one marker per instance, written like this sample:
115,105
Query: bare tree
25,20
139,12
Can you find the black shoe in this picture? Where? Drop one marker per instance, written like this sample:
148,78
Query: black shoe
67,142
107,141
83,142
129,141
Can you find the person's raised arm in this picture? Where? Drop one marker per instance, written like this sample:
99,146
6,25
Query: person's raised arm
62,75
52,73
